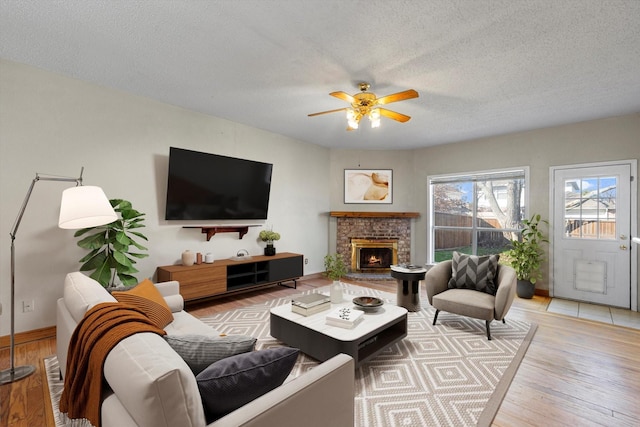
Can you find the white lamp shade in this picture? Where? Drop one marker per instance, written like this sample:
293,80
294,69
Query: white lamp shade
85,206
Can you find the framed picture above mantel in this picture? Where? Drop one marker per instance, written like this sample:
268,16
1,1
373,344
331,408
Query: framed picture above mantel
368,186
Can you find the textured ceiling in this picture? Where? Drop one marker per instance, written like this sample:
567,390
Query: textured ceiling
481,67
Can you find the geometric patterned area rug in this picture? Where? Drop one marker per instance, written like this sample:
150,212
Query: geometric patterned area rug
443,375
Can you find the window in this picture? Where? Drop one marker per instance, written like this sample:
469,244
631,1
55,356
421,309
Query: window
590,208
476,213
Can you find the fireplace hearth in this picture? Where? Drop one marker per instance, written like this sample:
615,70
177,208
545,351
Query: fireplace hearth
373,255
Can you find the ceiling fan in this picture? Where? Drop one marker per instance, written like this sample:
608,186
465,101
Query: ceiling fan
367,104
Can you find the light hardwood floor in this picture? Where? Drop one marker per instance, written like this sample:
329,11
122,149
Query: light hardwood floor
576,372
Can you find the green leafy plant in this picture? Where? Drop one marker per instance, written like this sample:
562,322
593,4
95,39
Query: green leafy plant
109,244
269,236
334,266
526,255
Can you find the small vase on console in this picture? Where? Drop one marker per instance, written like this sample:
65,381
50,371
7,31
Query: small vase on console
188,258
270,250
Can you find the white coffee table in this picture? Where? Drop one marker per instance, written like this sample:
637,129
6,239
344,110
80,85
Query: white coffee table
377,331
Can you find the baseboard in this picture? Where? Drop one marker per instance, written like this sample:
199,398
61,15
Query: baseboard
542,292
34,335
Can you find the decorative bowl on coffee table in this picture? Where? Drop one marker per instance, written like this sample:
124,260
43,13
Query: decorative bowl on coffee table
368,303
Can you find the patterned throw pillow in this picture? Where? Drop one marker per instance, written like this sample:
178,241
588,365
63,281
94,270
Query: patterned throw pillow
147,298
200,351
474,272
234,381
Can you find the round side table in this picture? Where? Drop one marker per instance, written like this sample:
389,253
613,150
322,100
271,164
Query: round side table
408,294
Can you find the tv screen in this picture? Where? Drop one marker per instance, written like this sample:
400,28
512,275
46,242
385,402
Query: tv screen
203,186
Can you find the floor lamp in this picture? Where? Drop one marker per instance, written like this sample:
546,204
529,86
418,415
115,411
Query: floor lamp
81,207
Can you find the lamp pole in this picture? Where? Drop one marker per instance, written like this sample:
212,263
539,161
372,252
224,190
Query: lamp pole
15,373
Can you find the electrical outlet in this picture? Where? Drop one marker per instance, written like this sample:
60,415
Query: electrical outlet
28,306
306,260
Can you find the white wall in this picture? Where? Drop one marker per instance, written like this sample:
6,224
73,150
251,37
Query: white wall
54,125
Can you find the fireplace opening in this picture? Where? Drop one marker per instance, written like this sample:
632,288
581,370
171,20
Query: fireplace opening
373,255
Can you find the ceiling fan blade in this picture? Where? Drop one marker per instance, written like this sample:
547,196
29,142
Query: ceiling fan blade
344,96
400,96
327,112
393,115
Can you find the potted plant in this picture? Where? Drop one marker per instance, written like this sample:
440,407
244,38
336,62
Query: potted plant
526,255
109,245
335,268
269,236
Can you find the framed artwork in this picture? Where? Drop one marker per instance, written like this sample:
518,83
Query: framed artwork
368,186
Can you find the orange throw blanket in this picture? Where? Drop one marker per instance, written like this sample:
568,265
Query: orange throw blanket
101,328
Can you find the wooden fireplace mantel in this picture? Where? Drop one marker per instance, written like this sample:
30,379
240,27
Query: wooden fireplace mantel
374,214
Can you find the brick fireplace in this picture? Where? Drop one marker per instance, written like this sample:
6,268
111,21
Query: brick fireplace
377,230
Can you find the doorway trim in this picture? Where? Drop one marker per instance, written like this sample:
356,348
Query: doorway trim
633,164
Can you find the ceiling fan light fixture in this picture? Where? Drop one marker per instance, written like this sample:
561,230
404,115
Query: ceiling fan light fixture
352,119
368,104
374,118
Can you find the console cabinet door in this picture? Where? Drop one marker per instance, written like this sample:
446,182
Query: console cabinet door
285,269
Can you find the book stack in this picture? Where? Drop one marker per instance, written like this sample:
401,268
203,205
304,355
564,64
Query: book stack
310,304
344,317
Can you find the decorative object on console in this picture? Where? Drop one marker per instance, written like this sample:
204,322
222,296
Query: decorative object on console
208,258
269,236
110,256
188,258
335,268
368,186
241,255
80,207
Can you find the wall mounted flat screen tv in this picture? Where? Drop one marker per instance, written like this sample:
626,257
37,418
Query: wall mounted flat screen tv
203,186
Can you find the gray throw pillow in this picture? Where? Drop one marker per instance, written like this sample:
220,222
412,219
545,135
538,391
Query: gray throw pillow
200,351
474,272
230,383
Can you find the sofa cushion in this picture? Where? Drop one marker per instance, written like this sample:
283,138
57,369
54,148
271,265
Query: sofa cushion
466,302
186,324
237,380
146,297
153,383
200,351
474,272
81,293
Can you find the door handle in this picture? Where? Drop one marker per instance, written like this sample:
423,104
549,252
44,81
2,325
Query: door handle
623,247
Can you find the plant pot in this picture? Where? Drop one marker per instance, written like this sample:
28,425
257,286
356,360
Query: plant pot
525,289
270,250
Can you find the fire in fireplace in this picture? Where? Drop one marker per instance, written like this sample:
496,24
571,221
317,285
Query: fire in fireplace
373,255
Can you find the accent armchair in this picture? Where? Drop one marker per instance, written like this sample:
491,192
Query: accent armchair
470,302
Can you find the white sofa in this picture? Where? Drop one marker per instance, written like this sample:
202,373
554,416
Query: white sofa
149,384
